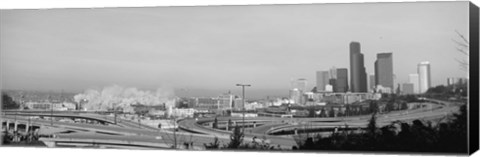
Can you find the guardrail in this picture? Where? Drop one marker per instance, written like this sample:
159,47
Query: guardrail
55,142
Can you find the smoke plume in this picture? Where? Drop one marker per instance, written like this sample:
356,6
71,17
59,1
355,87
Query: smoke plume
123,98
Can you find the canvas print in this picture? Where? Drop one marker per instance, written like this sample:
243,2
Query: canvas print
368,77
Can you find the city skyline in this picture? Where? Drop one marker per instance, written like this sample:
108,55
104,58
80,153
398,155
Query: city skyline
358,74
413,79
384,70
424,76
195,48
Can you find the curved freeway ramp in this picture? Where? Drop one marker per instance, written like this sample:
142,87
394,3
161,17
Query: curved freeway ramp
437,110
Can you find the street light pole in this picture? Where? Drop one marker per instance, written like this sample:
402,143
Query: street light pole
51,110
243,104
115,115
174,133
139,122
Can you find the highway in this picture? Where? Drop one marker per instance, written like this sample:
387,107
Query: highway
128,134
132,134
437,110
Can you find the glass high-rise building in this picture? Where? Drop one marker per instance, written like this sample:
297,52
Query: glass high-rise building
342,80
300,84
384,70
371,82
333,73
413,79
424,78
323,78
358,75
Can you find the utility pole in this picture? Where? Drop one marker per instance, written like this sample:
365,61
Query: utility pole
174,133
243,104
139,123
115,115
51,110
29,128
22,101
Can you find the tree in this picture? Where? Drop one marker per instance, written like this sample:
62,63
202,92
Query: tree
373,107
214,145
409,98
361,111
6,138
8,103
462,47
236,138
183,104
404,106
323,113
438,90
372,124
450,136
331,113
215,123
347,110
389,107
311,112
229,123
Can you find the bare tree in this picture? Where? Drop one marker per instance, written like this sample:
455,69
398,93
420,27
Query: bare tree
462,47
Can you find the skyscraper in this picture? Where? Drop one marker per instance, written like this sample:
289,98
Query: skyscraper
358,75
296,96
333,73
424,76
333,82
384,70
333,79
300,84
342,80
371,84
413,79
322,80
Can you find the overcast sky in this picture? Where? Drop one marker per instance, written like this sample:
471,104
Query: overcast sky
213,48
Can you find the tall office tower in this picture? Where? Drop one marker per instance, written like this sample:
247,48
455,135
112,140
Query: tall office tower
296,96
342,80
322,80
300,84
333,73
371,82
358,75
424,76
333,83
413,79
384,70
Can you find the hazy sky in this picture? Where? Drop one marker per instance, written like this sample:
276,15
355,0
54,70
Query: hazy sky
215,47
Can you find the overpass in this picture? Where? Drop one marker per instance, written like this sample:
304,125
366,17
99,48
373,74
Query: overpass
128,134
103,119
124,136
271,125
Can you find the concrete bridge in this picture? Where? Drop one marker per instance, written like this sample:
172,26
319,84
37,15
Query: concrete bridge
268,125
111,141
102,119
128,134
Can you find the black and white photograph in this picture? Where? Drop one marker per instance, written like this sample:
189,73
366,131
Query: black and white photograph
385,77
